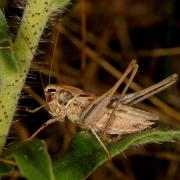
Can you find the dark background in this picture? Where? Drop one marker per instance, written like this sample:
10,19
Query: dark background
117,31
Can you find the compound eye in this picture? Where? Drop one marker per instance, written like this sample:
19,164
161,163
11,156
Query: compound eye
51,90
64,97
50,93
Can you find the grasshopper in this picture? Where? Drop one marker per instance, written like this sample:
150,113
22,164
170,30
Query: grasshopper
108,117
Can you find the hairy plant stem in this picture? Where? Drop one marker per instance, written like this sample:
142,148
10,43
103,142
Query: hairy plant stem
33,23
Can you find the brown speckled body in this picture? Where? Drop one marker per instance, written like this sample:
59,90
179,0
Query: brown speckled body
107,115
71,102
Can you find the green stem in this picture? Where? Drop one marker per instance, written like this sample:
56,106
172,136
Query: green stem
33,23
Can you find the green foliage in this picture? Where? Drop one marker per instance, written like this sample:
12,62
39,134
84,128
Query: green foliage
6,53
8,72
16,60
4,168
33,160
85,154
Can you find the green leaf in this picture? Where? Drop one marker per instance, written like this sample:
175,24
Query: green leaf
33,160
4,168
59,3
85,154
7,59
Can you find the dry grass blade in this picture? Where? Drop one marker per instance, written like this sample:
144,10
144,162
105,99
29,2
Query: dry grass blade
116,73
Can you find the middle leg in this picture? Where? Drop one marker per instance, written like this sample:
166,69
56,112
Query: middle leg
47,123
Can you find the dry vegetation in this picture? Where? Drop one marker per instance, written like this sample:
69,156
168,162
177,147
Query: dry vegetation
90,46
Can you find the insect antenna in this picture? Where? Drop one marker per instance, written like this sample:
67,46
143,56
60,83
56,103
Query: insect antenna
83,35
45,106
5,47
43,86
54,49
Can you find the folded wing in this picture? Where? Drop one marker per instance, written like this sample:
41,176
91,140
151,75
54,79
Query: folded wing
126,120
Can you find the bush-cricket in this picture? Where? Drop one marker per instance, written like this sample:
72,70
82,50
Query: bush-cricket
108,116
